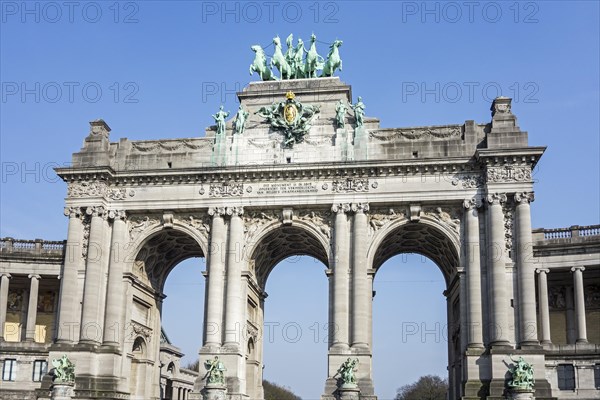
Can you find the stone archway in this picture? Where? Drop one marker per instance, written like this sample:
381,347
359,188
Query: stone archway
439,241
306,235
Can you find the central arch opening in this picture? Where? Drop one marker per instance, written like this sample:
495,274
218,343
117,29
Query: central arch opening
289,264
416,310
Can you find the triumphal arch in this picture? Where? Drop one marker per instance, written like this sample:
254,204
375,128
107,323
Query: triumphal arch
301,170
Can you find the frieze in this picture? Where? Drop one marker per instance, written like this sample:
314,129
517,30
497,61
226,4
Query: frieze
468,181
230,189
197,222
139,223
509,173
97,189
254,220
449,217
443,132
169,146
350,185
380,218
320,219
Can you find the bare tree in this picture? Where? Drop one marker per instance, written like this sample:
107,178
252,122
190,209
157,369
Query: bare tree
429,387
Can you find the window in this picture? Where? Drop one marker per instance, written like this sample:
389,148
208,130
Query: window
566,376
597,376
40,367
9,371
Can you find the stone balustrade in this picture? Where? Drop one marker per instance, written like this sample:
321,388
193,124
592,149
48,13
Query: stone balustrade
574,231
34,247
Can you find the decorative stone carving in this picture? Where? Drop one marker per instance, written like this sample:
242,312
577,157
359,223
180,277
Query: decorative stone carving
524,197
86,236
140,330
117,214
237,211
468,181
139,223
508,225
556,297
415,213
472,203
15,301
73,212
350,185
521,375
341,208
95,189
592,297
496,198
217,211
170,145
509,173
287,215
228,189
380,218
196,222
449,218
360,207
63,371
441,132
254,220
501,105
318,218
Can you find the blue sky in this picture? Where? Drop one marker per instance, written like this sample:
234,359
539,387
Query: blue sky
150,69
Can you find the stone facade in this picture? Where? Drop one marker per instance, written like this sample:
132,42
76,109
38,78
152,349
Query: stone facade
352,198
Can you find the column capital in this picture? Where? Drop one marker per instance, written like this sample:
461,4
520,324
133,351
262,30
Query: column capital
524,197
217,212
496,198
578,268
34,276
472,203
96,211
73,212
340,208
236,211
117,215
544,270
360,208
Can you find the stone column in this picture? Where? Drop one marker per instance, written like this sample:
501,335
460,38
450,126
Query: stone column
473,267
69,303
525,271
90,315
497,249
544,308
235,310
360,289
341,266
216,271
4,286
570,315
115,292
32,307
579,304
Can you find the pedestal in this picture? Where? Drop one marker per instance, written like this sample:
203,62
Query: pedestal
214,392
61,391
361,141
348,392
520,394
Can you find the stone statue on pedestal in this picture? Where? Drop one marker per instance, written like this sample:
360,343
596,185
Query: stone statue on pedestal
346,372
220,120
340,114
64,370
215,371
359,112
521,375
240,120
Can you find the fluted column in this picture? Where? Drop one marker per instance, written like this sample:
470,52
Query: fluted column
234,312
579,304
360,290
497,249
90,315
216,274
115,292
473,268
543,306
32,307
69,303
4,286
341,282
525,271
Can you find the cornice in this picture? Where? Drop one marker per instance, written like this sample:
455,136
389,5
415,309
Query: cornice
520,155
